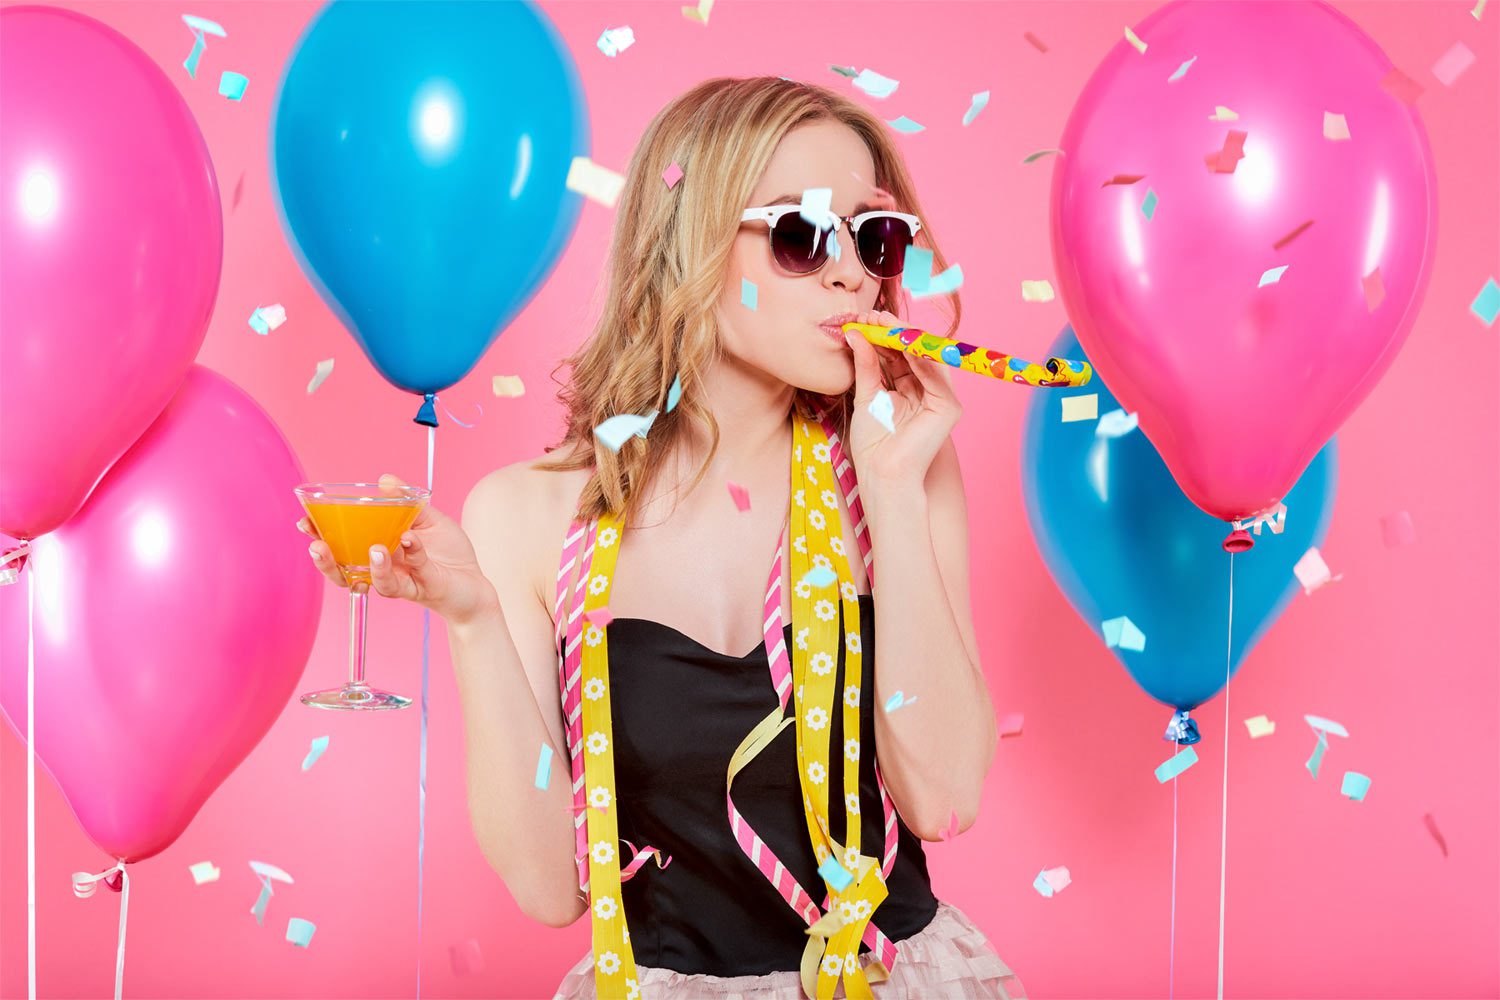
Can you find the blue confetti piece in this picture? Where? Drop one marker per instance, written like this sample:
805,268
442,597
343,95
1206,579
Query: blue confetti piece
1182,70
203,24
1272,276
817,207
1316,760
976,105
877,86
191,62
898,700
906,125
1042,886
1121,633
942,284
258,911
834,874
544,767
1176,764
917,273
1148,207
1355,785
674,394
299,932
318,746
749,295
1486,304
820,576
232,85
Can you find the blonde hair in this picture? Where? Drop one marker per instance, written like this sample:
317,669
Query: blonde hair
667,264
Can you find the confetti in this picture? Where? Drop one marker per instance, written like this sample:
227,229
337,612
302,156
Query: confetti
917,277
1291,235
1135,40
976,104
232,85
834,874
946,283
1397,529
324,369
699,12
507,386
299,932
191,62
906,125
1335,127
1486,304
1010,724
1316,760
615,431
204,871
1082,407
1121,633
1181,71
1052,880
1124,179
848,71
672,175
1260,726
1374,289
1042,46
1037,291
1452,64
819,576
883,410
1272,276
267,318
1355,785
314,752
898,700
1223,114
749,294
258,910
877,86
594,182
203,24
1175,765
600,616
1437,834
1041,153
543,767
270,872
466,958
616,40
816,207
1400,86
1116,423
1476,13
239,189
1312,571
952,830
1229,155
1322,725
1148,207
740,496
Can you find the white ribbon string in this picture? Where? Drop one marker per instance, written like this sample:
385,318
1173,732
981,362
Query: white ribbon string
1224,808
30,779
84,886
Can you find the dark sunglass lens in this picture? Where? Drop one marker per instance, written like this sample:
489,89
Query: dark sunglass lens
798,245
882,245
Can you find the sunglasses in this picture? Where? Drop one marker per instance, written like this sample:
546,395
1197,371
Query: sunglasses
881,238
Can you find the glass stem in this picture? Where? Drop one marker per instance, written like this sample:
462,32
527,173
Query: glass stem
357,599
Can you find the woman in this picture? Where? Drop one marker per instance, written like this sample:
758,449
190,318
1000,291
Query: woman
716,808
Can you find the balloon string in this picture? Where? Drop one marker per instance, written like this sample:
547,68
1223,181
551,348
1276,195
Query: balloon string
1224,807
1172,948
422,753
85,885
31,781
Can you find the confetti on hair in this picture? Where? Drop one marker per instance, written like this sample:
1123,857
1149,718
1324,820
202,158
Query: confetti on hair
672,175
674,394
614,432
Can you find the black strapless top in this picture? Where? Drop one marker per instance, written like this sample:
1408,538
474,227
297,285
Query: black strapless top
679,711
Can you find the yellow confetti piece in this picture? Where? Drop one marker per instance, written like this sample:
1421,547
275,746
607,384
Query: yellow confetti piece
1085,407
594,182
507,385
1477,13
1223,114
1037,291
1335,127
1135,40
699,13
1260,726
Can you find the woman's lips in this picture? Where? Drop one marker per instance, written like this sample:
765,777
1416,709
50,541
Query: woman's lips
834,332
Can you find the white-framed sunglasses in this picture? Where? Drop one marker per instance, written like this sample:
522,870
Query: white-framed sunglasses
881,238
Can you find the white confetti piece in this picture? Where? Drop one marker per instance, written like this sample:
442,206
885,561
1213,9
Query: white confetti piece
1084,407
325,369
594,182
507,385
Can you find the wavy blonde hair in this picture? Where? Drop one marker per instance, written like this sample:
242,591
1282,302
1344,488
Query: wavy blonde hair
667,264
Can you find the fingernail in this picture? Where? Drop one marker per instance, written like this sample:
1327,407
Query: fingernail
406,543
377,557
312,550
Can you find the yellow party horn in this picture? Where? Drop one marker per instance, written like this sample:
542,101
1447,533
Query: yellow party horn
1055,373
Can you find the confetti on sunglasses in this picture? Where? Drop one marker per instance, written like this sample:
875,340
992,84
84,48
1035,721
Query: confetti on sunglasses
1229,155
1053,880
543,767
740,496
1312,572
1452,64
906,125
1181,71
1315,762
615,431
819,577
1374,289
507,386
1010,724
883,410
324,369
672,175
1335,127
1400,86
1040,45
600,616
1175,765
977,104
299,932
749,294
1355,785
1123,179
1437,834
616,40
1223,114
1397,529
319,745
267,318
1041,153
1121,633
1037,291
835,874
1148,205
232,85
1135,40
699,12
1260,726
1081,407
1272,276
1486,304
877,86
1291,235
466,958
204,871
816,207
898,700
594,182
674,394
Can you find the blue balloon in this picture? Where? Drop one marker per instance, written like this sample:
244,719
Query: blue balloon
1121,539
419,154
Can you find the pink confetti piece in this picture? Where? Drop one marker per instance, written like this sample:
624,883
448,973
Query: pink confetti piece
1125,179
1291,235
1452,64
1335,127
952,830
1374,289
1400,86
1437,834
1010,724
1226,158
239,189
1397,529
599,616
1041,46
672,175
739,495
466,957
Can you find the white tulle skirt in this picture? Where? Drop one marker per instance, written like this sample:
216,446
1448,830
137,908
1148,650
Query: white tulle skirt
949,959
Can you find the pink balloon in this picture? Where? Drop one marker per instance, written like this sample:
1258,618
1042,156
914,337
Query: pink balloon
1236,385
174,615
112,241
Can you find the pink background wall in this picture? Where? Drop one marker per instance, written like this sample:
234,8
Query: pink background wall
1326,897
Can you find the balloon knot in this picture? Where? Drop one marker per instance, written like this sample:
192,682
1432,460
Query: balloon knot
1238,540
427,414
1182,729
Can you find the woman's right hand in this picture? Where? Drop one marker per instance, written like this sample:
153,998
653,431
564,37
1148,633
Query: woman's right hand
434,565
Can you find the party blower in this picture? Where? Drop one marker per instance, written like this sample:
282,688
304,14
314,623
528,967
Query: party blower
1056,373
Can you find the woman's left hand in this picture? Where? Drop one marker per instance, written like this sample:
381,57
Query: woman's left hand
925,411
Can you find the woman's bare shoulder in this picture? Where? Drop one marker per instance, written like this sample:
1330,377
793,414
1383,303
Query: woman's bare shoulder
527,510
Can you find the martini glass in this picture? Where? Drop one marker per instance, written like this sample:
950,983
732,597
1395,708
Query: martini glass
351,517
